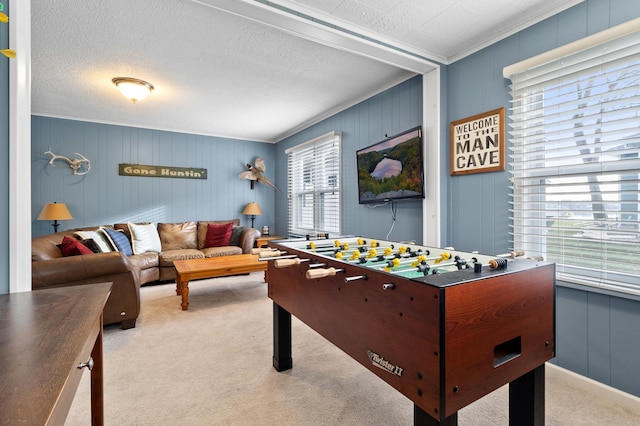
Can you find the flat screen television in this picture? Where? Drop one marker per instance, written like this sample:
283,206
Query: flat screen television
391,169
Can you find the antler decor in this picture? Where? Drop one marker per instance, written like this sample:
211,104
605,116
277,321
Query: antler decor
77,164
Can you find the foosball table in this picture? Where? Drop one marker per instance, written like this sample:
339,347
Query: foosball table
442,327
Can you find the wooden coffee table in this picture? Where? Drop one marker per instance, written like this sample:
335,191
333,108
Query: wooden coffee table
211,267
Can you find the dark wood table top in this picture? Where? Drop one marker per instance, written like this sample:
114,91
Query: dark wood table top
43,336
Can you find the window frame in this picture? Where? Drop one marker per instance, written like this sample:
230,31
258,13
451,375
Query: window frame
530,116
314,170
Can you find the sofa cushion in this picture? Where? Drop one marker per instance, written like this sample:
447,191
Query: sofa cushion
144,238
218,235
98,237
203,227
144,261
71,247
221,251
175,236
166,258
119,240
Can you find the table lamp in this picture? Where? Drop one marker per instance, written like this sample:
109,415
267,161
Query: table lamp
55,211
252,209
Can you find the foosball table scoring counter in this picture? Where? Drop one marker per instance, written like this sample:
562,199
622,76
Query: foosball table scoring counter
443,327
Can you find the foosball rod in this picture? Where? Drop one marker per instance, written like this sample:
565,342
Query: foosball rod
395,262
423,266
512,254
371,260
457,262
424,269
346,247
337,244
357,254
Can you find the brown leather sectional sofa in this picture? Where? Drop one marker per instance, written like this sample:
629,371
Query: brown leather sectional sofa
184,240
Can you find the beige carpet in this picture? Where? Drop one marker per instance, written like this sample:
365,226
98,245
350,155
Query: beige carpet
211,365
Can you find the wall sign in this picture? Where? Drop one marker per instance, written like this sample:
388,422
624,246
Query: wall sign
478,143
140,170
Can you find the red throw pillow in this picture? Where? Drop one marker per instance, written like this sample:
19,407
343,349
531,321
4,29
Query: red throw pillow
71,247
218,235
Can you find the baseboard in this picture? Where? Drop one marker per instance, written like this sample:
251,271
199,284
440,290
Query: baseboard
624,399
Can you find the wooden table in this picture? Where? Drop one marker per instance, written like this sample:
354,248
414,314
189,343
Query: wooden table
263,240
222,266
47,338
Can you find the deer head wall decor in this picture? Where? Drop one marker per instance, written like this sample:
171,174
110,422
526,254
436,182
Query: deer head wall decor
80,166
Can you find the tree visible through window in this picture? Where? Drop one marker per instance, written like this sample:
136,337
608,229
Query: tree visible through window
575,166
314,186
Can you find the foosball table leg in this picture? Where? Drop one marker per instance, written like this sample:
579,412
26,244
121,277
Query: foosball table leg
281,338
421,418
526,399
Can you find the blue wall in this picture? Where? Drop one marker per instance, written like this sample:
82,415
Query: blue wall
103,197
597,334
4,158
598,337
390,112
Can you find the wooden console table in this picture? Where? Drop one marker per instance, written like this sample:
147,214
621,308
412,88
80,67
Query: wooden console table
48,337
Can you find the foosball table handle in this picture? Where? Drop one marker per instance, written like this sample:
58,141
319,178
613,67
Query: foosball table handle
313,274
285,263
271,253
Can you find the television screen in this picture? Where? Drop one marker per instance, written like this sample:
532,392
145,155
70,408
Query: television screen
391,169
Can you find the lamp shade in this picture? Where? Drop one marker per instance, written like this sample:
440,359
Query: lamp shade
252,208
55,211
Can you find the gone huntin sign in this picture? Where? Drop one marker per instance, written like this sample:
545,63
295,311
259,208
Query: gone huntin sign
478,143
141,170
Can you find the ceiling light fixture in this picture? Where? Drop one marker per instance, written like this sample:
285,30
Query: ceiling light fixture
133,88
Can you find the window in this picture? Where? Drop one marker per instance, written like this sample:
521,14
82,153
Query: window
314,186
575,132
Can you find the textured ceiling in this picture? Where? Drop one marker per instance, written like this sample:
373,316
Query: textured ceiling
244,69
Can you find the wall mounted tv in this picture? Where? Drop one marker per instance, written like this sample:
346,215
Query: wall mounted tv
391,169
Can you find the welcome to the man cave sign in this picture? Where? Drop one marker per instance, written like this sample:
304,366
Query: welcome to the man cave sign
478,143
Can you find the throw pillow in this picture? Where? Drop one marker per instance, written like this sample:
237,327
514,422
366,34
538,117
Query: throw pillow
218,235
118,240
144,238
98,237
174,236
91,245
236,233
71,247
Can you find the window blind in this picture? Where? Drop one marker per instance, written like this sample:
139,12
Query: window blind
575,168
314,186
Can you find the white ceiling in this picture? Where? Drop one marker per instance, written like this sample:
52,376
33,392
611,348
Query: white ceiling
245,69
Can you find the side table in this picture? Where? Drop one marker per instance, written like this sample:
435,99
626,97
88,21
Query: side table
49,336
263,240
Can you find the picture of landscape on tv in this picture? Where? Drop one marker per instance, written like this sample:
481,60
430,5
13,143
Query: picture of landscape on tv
391,169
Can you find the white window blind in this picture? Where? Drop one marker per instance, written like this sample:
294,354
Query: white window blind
575,132
314,186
